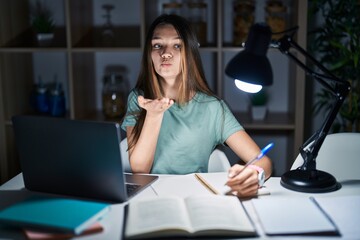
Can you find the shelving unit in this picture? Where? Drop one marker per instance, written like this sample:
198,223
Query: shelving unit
83,56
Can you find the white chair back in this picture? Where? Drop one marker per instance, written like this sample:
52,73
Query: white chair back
125,155
339,155
218,162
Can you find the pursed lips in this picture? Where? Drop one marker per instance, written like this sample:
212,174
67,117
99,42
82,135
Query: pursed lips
166,64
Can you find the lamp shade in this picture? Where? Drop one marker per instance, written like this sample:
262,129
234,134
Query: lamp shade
251,65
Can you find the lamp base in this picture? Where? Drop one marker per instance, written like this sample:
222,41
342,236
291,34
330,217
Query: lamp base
314,181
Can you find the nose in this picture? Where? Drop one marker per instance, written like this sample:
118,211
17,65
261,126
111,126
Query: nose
166,53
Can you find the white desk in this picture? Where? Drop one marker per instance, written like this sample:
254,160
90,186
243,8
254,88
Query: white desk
13,191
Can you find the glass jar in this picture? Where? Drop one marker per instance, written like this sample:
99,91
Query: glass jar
276,17
197,14
244,17
114,95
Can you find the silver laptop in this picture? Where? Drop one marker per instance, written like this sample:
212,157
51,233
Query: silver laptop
74,157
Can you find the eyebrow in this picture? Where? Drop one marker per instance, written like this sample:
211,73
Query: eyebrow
156,37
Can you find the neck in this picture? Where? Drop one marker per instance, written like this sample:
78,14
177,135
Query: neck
170,88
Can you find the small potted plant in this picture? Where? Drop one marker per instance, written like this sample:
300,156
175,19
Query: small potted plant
258,104
42,22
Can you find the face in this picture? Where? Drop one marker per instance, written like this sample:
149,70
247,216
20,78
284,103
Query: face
165,53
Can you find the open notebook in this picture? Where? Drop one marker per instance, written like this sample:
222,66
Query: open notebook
74,157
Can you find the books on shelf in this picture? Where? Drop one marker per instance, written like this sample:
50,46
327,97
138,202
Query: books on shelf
199,215
54,214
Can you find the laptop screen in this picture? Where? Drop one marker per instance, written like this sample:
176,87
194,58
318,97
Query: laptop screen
71,157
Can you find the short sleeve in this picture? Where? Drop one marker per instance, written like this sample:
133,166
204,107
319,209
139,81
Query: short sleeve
230,123
132,110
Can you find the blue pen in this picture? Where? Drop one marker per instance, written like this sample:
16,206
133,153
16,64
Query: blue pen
262,153
265,150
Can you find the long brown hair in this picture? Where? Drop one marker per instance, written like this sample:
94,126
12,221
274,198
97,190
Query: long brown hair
192,78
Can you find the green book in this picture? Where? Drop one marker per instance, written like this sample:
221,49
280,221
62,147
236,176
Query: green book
56,214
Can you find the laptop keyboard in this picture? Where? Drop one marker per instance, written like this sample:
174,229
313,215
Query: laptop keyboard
131,188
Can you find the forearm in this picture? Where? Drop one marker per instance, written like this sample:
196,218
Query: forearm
141,155
243,145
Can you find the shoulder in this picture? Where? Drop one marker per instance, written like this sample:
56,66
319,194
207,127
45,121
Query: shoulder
210,100
201,97
132,101
135,93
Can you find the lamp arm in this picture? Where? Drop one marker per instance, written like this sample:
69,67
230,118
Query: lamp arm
285,43
309,150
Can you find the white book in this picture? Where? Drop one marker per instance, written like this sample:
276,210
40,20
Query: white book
293,216
200,215
344,211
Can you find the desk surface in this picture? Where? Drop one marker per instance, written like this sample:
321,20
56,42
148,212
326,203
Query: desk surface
13,191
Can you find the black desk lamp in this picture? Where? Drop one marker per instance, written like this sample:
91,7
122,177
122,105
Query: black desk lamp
252,66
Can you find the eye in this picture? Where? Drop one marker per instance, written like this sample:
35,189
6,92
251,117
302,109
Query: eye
156,46
177,46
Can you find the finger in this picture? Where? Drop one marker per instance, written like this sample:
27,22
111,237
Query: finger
250,192
248,188
235,170
240,177
245,186
142,101
166,103
244,181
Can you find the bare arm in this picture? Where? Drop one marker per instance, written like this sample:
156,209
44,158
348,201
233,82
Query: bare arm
141,155
246,183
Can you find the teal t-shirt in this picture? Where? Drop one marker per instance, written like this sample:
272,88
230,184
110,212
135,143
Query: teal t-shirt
188,134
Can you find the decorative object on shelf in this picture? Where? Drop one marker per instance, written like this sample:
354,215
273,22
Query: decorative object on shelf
336,42
197,15
49,98
244,15
172,8
56,100
41,102
108,33
258,104
115,92
42,23
306,178
276,17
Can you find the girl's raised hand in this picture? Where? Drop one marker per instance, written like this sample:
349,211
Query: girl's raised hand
155,105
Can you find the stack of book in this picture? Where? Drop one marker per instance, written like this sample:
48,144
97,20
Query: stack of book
51,218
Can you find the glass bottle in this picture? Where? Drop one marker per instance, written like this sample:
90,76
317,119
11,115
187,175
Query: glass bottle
41,97
108,34
276,17
197,14
114,95
244,17
57,101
